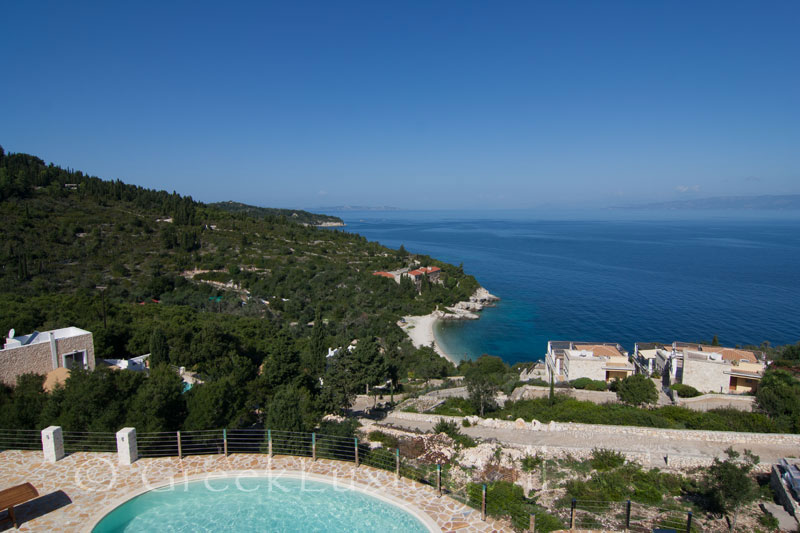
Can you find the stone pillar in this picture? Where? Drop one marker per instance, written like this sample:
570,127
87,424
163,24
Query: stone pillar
53,444
127,449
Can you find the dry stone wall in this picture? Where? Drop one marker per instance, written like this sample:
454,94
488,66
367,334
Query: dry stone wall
723,437
33,359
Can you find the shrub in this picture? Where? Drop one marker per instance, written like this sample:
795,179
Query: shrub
597,385
386,440
537,382
685,391
465,423
769,521
345,428
604,459
637,390
451,430
456,407
531,462
505,499
589,384
447,427
625,482
580,383
464,440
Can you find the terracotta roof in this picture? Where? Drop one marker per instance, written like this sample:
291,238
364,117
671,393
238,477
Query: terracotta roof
731,354
600,350
430,270
384,274
417,272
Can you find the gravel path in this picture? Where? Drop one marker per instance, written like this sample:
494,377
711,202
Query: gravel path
655,450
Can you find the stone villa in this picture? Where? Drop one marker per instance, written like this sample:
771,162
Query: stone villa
45,352
568,361
706,368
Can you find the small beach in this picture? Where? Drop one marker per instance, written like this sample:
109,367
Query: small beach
420,330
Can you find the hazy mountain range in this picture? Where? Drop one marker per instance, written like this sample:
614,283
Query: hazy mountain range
764,202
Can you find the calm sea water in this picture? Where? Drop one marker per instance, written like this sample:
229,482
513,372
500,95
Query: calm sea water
608,280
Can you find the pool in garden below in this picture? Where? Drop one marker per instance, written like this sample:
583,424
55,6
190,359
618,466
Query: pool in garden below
244,504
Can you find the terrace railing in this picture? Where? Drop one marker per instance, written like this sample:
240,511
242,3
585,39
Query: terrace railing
578,514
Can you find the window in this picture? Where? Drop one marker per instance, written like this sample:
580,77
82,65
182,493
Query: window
74,359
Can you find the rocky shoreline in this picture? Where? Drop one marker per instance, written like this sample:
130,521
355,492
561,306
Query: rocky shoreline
469,309
420,328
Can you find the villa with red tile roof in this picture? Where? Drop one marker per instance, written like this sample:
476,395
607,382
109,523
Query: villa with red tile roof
417,274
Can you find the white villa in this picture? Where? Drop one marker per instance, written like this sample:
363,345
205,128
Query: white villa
568,361
706,368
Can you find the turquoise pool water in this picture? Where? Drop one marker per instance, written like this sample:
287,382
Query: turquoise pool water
250,504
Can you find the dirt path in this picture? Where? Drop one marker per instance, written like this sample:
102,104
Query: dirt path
655,452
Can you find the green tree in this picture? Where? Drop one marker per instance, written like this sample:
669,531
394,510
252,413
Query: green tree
485,365
159,347
482,390
159,404
288,410
338,388
282,365
213,405
715,341
791,352
637,389
92,400
25,403
369,366
426,364
313,360
728,483
779,396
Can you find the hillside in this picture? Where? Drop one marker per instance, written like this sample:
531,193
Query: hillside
294,215
229,293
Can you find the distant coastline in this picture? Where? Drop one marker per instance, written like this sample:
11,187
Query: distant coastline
420,329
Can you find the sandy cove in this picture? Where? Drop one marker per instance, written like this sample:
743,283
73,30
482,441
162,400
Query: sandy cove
420,328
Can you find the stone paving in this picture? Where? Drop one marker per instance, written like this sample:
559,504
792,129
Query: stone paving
81,488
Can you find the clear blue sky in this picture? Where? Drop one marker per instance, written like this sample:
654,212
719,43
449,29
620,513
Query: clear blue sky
412,104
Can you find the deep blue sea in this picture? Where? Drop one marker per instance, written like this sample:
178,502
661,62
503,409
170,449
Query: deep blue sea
612,276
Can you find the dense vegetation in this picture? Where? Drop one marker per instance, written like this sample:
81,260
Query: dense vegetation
295,215
565,409
251,301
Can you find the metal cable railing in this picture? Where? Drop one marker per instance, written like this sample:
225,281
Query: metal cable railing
87,441
581,514
20,439
629,516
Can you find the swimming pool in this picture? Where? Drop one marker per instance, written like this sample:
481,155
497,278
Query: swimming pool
244,504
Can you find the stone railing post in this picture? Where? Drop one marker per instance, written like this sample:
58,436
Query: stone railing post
53,443
127,449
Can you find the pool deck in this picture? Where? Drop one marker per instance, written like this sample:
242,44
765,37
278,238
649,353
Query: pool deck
78,490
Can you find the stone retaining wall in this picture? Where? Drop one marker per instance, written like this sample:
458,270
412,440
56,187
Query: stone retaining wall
726,437
707,402
531,392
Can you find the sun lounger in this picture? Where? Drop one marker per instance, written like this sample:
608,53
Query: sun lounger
15,496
